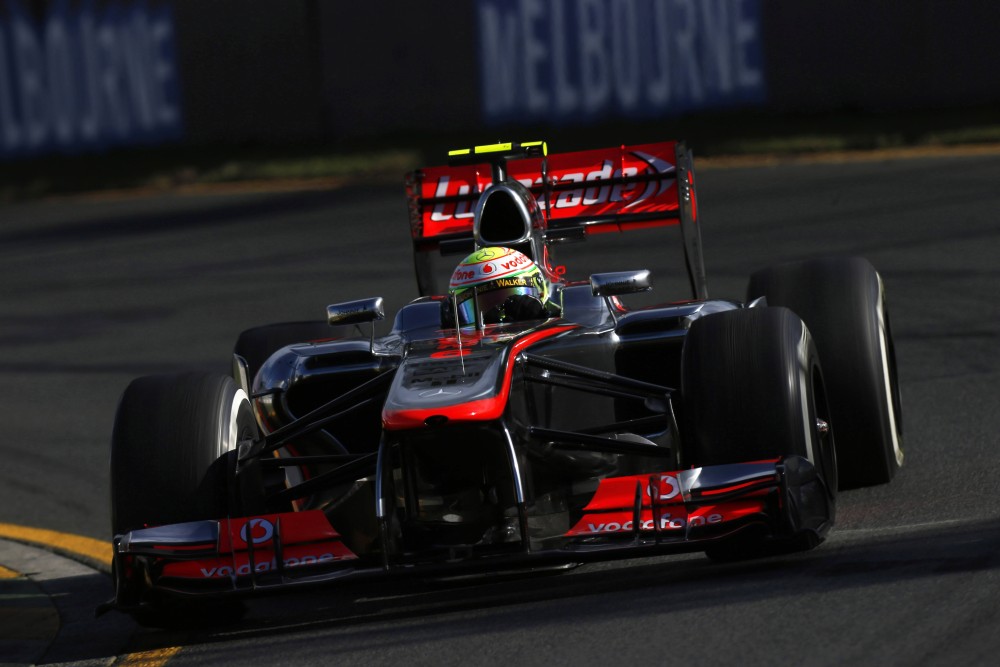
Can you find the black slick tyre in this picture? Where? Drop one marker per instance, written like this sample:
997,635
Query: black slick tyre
842,301
257,344
170,460
168,448
752,389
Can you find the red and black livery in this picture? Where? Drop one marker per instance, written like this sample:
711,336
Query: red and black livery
713,425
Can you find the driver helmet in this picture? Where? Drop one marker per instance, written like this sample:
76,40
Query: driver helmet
503,283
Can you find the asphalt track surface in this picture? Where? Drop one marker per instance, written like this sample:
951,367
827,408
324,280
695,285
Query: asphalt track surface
96,292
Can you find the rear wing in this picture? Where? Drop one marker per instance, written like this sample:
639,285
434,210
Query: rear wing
579,193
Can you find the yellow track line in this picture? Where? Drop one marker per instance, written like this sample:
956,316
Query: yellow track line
154,658
74,545
98,551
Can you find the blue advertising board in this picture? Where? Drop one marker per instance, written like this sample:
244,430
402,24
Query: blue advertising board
582,60
84,77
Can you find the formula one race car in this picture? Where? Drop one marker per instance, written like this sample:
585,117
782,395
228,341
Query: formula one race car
517,418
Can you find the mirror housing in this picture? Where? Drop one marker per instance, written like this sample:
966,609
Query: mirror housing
355,312
620,282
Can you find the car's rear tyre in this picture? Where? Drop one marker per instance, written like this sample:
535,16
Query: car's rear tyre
842,301
752,389
257,344
170,462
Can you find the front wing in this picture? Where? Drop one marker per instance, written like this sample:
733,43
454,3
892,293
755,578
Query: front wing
629,516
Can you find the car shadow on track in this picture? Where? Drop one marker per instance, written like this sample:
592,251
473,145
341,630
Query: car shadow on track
857,560
82,636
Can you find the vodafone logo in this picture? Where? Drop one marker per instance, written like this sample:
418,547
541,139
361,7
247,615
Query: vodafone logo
669,488
488,268
257,530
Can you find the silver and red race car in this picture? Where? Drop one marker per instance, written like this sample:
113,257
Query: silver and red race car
514,419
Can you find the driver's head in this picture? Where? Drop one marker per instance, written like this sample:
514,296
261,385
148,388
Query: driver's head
504,284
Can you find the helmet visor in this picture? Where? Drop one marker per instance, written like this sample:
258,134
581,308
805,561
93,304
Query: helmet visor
491,298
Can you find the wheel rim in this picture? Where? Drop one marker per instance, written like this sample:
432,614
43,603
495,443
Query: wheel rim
889,376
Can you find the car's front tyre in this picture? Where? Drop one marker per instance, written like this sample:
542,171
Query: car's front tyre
752,389
170,463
